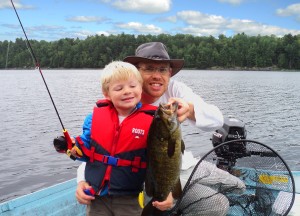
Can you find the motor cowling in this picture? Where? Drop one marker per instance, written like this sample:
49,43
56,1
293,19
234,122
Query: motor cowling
233,129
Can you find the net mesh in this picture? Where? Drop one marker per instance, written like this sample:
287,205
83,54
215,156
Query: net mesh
251,180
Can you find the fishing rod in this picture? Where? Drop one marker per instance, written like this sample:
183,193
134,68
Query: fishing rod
37,66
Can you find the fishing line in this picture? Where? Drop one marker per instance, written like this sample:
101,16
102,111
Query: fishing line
37,65
33,60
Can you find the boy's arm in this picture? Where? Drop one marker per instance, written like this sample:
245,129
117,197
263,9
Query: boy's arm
85,139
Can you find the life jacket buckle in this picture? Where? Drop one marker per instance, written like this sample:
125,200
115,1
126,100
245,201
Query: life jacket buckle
110,160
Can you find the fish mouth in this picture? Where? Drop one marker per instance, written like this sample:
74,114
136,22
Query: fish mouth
169,108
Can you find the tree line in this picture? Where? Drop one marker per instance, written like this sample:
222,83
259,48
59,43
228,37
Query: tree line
200,52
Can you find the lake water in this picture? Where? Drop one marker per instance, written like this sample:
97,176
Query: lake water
267,102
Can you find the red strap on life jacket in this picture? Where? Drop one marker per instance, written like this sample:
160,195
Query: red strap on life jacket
110,160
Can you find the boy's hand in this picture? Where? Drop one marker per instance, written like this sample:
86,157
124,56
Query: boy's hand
76,152
81,197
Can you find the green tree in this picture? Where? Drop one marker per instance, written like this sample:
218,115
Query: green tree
202,52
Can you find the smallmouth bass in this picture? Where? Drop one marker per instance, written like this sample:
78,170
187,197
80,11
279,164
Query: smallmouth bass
164,151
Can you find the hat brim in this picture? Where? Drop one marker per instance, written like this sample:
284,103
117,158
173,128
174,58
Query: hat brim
176,64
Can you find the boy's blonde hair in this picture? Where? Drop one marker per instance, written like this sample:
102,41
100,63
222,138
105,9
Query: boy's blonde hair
118,70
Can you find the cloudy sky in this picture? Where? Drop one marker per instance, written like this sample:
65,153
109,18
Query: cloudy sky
54,19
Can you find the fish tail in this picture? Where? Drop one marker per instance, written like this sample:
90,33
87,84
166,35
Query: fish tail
150,210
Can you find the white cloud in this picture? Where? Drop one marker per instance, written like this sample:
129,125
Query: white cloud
172,19
6,4
86,19
103,32
254,28
11,26
46,28
105,1
82,34
18,5
233,2
143,6
140,28
199,19
201,31
205,24
291,10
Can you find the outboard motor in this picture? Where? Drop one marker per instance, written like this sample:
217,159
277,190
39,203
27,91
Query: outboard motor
233,129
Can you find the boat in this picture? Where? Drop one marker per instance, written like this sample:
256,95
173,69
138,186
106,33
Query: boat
56,200
59,200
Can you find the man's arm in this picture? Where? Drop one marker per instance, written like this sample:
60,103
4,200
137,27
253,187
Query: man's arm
208,116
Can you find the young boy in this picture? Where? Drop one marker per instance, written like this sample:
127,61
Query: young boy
113,143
